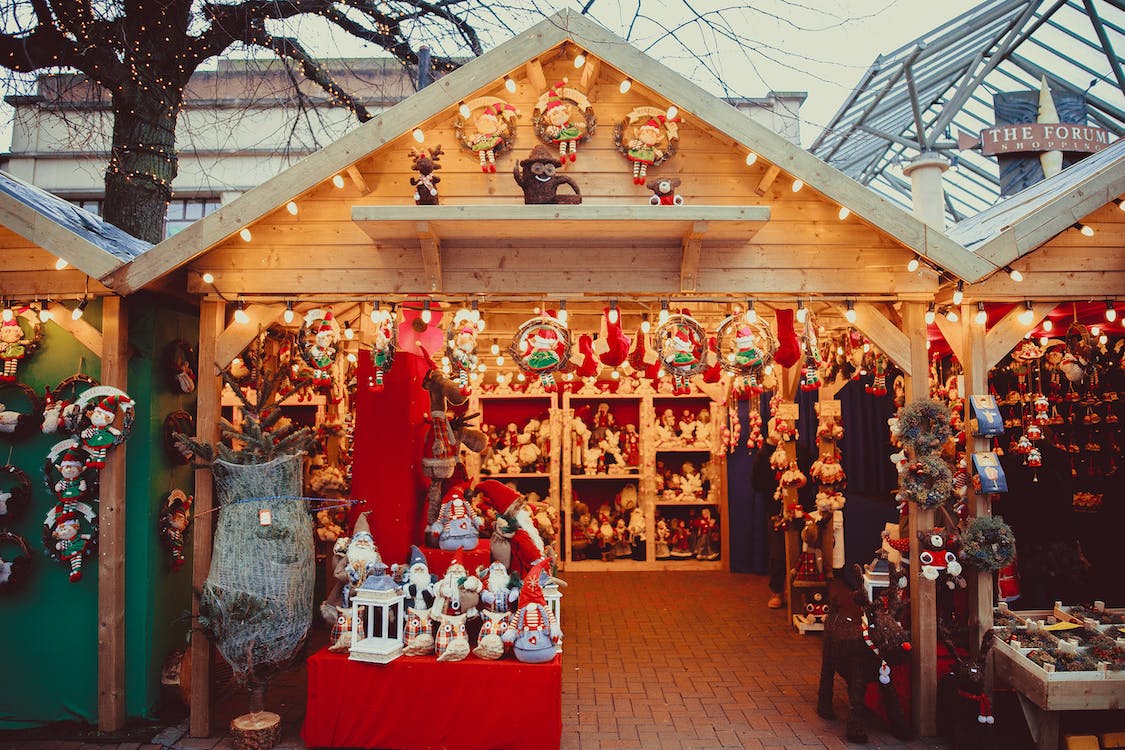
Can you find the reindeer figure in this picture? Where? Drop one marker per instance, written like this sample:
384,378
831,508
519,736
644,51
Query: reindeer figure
861,649
964,706
446,434
425,163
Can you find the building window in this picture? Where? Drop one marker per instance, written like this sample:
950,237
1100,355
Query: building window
185,211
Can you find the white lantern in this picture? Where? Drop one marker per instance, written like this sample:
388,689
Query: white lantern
380,603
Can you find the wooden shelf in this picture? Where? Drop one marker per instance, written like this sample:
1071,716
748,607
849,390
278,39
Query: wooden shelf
631,475
685,503
638,565
533,475
602,225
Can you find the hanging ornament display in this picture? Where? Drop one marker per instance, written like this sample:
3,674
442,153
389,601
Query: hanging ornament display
175,518
492,131
425,162
745,349
18,419
70,535
810,370
58,402
19,338
64,472
13,568
682,344
180,362
383,346
878,385
15,492
102,420
316,342
461,346
179,422
541,347
646,138
563,117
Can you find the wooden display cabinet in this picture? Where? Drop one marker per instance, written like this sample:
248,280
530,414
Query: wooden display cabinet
594,488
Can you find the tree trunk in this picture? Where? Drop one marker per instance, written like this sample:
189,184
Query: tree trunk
138,180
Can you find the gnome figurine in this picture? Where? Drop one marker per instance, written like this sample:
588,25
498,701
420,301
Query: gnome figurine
515,540
457,522
534,632
360,560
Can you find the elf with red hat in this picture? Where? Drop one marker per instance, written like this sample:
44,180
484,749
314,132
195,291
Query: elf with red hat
515,541
71,466
534,632
457,522
560,129
64,536
101,435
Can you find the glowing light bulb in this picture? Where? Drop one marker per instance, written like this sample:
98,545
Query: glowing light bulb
839,351
672,112
866,347
615,374
797,185
338,180
7,315
844,212
751,313
1048,324
352,358
951,315
1103,339
1014,274
349,334
418,135
625,86
426,316
482,367
240,315
646,326
579,59
77,312
930,314
291,207
244,233
663,317
1086,230
510,84
521,377
613,316
1043,340
288,315
751,159
913,264
480,325
208,277
44,313
849,314
1027,315
768,369
463,110
802,313
60,264
1095,330
982,315
959,293
1110,312
495,348
499,361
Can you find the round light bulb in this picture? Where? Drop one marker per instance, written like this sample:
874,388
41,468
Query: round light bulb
244,233
480,325
1110,312
797,185
418,135
499,361
913,264
663,317
751,159
291,207
44,314
463,110
241,317
579,60
930,316
625,86
981,317
672,112
352,358
645,326
1048,324
7,314
426,316
60,264
349,334
951,315
958,295
613,315
482,367
563,316
802,315
751,315
1043,340
208,278
1026,317
510,84
866,347
521,377
1015,275
849,315
615,374
844,212
1095,330
338,180
288,315
1087,230
495,349
1103,339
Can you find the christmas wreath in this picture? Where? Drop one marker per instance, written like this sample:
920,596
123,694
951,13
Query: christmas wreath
14,570
745,348
59,402
13,499
178,422
927,482
681,344
541,347
924,425
180,360
988,543
17,423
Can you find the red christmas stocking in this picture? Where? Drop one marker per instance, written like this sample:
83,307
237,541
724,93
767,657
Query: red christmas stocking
642,356
590,365
713,373
613,345
789,349
1008,583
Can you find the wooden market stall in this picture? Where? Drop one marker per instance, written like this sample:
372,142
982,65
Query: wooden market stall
761,221
55,254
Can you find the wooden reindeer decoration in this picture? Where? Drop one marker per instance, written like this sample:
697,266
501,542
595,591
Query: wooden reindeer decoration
425,163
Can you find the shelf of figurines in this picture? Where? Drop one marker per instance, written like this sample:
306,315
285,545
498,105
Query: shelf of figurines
1068,658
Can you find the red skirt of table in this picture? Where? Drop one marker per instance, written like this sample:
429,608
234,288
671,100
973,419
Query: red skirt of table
415,703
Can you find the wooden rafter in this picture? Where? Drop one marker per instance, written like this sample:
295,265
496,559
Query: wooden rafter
535,75
357,179
83,332
238,335
689,265
884,334
430,247
1009,330
766,182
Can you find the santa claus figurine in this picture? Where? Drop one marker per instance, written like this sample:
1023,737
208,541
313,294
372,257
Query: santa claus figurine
457,593
534,632
515,541
501,589
359,561
457,523
418,587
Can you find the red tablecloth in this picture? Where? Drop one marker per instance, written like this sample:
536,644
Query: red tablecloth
415,703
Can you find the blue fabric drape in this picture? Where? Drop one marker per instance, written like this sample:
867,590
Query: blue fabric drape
749,510
866,446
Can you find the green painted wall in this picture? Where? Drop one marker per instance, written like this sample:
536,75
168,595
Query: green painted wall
48,629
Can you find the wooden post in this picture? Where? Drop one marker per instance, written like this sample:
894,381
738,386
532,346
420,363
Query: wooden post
923,598
211,318
111,536
981,595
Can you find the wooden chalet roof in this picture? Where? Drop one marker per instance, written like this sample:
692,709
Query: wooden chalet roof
38,228
1037,232
743,228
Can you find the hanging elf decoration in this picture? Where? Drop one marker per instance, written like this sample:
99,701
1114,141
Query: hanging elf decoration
20,336
810,371
102,419
461,345
682,344
383,345
70,527
13,421
15,492
556,122
493,129
878,385
647,137
13,568
59,402
745,348
316,342
175,517
541,347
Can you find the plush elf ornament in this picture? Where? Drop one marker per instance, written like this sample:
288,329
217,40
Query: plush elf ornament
69,534
683,350
555,123
461,344
493,132
175,518
71,465
878,385
321,353
612,346
646,137
14,346
383,346
101,435
542,347
534,632
457,523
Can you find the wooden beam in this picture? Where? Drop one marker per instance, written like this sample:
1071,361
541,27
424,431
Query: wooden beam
238,335
689,263
952,333
41,230
589,73
430,246
767,179
1009,330
535,75
207,406
871,322
68,282
111,532
357,179
923,598
981,597
83,332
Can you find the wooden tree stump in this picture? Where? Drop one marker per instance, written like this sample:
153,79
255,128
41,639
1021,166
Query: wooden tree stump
256,731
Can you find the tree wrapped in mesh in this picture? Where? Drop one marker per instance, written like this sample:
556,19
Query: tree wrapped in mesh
257,601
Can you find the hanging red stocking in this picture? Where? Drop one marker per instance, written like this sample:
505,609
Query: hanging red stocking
1008,583
612,347
878,386
589,365
789,348
713,373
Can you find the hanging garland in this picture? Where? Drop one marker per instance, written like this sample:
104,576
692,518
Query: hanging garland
16,423
14,498
988,543
928,482
14,570
924,425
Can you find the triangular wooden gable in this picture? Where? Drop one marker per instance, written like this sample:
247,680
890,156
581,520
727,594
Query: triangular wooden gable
742,230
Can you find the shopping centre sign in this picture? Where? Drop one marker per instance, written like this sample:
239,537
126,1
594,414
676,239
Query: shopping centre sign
1037,136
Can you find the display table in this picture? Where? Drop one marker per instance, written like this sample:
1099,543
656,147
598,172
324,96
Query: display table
415,703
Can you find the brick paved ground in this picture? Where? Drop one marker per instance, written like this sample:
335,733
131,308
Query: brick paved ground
652,661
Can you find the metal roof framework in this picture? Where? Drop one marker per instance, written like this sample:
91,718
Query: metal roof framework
918,97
